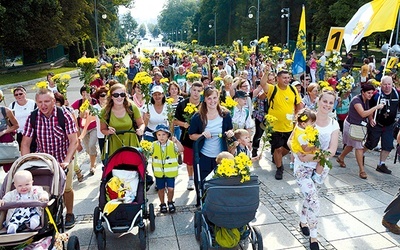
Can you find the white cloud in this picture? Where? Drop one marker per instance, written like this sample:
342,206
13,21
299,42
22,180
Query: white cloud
145,10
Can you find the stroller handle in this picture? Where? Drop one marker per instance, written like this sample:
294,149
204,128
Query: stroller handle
17,204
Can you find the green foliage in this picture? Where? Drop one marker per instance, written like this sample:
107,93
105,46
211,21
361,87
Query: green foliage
89,48
142,30
129,26
30,75
74,52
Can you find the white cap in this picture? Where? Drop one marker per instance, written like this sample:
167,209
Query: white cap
295,83
157,88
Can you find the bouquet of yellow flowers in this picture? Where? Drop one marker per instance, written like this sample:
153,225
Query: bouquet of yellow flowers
87,69
193,76
345,84
334,62
170,114
146,63
312,137
240,166
146,147
188,113
41,85
229,103
268,130
121,76
62,82
217,82
144,80
105,69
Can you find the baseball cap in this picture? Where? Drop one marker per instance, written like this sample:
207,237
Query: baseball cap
240,94
157,88
295,83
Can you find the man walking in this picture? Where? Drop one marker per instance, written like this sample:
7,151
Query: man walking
284,103
381,126
56,134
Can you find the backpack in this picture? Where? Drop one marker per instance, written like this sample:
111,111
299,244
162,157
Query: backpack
13,105
270,102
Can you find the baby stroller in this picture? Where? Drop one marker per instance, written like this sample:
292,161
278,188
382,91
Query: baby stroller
226,203
125,216
47,173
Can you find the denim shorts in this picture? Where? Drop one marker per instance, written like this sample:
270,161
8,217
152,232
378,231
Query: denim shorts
165,182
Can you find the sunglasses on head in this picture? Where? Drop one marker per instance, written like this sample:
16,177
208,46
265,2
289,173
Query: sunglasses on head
17,94
116,95
103,95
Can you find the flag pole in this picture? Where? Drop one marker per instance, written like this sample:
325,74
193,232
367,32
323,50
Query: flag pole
387,53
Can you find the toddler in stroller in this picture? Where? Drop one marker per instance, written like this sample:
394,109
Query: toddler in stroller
229,204
24,191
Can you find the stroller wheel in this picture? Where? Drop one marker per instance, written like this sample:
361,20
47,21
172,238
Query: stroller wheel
203,241
142,238
101,240
256,238
152,217
73,243
197,225
97,227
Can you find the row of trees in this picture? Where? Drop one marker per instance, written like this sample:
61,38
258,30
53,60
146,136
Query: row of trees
232,21
29,27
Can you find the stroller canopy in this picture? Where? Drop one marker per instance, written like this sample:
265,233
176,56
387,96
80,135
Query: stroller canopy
128,157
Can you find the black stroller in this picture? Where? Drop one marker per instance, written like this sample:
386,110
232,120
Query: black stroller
126,215
227,203
46,173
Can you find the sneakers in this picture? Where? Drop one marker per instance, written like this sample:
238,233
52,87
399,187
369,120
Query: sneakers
69,221
383,169
317,178
279,173
391,227
291,165
190,185
163,208
171,207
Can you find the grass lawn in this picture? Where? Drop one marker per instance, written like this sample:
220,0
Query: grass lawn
15,77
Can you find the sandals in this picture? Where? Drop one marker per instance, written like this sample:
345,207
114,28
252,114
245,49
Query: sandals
79,175
341,162
363,175
92,170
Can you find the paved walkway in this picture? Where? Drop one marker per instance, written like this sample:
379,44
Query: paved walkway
351,208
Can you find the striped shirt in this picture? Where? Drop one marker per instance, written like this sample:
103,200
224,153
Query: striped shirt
50,137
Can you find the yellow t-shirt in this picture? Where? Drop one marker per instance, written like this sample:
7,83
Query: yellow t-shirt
283,107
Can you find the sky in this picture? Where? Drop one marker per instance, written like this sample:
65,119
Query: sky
145,10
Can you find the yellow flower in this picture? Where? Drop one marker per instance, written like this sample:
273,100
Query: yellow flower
170,101
270,118
146,145
276,49
194,41
85,105
263,39
41,85
164,80
303,118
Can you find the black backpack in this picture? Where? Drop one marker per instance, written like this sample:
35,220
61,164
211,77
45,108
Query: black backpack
60,119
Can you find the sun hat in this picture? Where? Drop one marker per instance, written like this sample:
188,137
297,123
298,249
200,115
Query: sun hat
157,88
162,127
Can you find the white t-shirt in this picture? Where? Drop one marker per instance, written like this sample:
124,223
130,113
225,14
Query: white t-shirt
155,118
325,134
212,146
21,113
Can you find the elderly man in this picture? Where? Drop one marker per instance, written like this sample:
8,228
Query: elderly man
56,134
381,124
284,103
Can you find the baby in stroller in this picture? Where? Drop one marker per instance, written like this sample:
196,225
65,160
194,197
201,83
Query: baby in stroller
24,191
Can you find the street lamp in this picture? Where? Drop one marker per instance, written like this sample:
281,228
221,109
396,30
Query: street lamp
257,17
286,13
215,27
104,16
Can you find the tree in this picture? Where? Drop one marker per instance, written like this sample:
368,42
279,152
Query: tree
142,30
130,25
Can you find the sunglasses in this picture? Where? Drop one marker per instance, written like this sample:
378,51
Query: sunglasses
116,95
18,94
308,80
117,66
103,95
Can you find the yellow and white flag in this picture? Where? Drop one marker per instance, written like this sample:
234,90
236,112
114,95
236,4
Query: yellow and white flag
378,15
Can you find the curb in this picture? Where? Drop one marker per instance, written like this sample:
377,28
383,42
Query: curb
73,73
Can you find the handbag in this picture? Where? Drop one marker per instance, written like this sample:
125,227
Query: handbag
9,152
358,132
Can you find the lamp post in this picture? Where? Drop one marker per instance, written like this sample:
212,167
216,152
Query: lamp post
286,13
104,16
257,17
215,27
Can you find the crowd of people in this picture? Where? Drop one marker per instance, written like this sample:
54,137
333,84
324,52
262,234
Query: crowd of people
226,106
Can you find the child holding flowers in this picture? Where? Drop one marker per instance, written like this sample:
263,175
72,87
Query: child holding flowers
305,138
165,165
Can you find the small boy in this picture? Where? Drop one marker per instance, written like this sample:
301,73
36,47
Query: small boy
165,165
220,156
242,144
24,191
241,117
